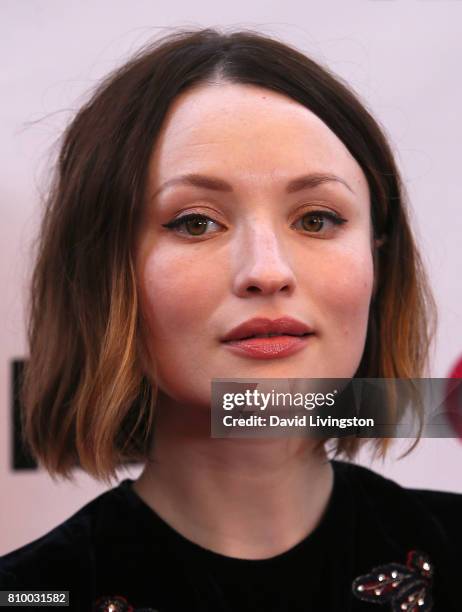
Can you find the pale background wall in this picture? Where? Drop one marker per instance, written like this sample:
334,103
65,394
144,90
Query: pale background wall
403,57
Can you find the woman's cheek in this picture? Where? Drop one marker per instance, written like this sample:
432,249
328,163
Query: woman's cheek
348,295
176,291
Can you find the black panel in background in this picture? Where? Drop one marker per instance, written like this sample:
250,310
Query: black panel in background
20,459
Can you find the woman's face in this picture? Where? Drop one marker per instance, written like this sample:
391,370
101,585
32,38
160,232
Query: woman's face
264,245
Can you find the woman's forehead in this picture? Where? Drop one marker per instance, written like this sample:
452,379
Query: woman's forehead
250,131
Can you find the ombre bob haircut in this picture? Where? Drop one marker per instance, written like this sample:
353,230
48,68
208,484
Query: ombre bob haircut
86,398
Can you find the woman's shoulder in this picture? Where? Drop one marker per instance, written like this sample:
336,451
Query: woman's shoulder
445,502
65,553
440,501
413,529
407,507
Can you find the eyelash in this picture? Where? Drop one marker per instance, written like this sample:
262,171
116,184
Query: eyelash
337,220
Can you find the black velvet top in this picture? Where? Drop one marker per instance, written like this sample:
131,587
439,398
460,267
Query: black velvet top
378,547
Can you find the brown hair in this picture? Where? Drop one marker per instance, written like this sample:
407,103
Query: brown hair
86,400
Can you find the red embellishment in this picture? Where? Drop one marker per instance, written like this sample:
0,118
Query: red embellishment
117,603
406,587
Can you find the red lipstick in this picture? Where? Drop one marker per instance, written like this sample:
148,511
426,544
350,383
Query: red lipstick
262,338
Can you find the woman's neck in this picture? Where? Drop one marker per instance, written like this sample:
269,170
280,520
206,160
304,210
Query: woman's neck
245,498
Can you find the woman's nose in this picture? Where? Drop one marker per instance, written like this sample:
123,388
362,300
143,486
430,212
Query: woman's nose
262,266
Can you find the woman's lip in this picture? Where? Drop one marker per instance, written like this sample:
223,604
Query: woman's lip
269,348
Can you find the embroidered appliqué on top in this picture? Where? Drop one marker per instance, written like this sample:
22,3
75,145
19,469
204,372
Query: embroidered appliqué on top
117,603
406,587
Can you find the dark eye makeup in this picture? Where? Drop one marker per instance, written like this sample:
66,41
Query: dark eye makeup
313,222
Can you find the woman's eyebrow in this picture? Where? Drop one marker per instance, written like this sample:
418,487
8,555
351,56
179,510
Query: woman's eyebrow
306,181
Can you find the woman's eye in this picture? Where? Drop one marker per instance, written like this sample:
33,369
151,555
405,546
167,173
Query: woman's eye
194,224
314,222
